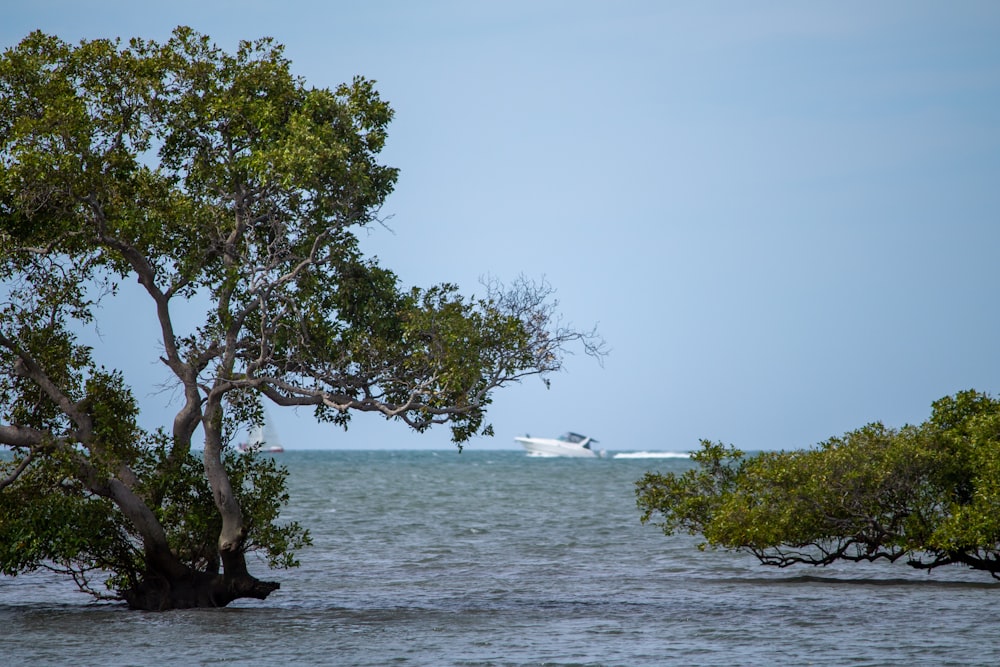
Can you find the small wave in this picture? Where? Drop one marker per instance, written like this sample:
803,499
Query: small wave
652,455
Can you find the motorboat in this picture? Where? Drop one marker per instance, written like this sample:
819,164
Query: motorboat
568,444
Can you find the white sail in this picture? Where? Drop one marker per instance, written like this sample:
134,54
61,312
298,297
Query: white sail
264,437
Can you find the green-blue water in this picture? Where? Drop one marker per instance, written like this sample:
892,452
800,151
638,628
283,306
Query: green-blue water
496,558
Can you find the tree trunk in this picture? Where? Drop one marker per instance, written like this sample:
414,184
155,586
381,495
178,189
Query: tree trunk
167,584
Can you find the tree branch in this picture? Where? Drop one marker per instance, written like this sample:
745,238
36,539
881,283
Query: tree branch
16,473
26,366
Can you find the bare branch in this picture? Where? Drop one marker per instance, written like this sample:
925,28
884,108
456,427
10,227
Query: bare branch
16,473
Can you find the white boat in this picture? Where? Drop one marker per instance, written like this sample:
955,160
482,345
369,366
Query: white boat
568,444
263,438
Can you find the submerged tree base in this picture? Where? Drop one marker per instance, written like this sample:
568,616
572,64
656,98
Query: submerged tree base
198,590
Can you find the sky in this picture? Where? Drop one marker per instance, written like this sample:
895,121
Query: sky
783,217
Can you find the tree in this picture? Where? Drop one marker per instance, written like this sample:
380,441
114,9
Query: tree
224,185
927,493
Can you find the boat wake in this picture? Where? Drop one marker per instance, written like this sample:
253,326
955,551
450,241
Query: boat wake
652,455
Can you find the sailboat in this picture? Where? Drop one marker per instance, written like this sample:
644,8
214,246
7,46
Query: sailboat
263,438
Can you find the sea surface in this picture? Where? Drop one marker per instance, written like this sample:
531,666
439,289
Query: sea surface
496,558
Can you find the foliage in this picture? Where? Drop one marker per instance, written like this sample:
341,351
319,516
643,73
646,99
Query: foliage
231,192
50,520
927,493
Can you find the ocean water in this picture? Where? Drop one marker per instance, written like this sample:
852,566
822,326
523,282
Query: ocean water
496,558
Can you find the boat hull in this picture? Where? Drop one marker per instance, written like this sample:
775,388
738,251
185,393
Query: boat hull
553,447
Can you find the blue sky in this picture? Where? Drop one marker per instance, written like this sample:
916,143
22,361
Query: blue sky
784,217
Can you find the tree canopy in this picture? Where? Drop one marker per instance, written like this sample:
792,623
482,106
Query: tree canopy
224,186
929,494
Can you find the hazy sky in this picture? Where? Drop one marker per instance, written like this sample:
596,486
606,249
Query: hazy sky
784,217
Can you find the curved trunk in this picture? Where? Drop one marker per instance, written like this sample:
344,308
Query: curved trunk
155,544
233,532
168,583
